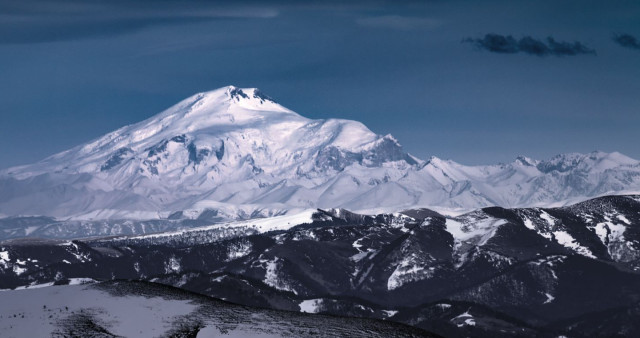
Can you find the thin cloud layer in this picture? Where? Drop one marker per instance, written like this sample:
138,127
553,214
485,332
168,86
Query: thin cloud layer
507,44
398,22
41,21
627,41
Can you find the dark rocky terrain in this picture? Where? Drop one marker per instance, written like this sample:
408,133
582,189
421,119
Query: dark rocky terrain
494,272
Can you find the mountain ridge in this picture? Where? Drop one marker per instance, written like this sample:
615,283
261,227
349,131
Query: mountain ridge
493,272
236,153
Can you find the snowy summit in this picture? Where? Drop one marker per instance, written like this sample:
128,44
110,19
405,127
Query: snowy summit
238,153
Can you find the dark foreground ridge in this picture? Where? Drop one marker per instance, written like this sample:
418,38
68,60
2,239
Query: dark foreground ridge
494,272
101,310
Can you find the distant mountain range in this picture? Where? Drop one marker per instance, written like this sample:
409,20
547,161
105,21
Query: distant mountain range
234,153
230,195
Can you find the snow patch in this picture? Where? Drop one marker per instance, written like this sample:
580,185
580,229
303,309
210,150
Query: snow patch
239,249
410,269
272,279
356,244
31,286
72,281
4,258
545,216
602,232
172,265
566,240
481,230
262,225
310,305
624,219
81,281
18,270
29,230
529,224
218,279
389,313
74,249
550,262
464,319
549,299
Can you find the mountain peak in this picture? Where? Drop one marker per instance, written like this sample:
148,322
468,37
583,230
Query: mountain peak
253,99
246,98
526,161
238,94
220,107
436,161
596,161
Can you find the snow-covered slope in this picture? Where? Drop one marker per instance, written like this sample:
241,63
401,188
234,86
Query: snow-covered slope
232,150
235,154
564,179
135,309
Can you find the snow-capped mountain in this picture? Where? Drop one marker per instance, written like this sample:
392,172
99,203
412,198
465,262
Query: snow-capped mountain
235,153
564,179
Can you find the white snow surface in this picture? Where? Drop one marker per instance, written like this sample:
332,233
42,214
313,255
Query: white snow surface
565,239
611,234
549,299
389,313
72,281
476,230
464,319
133,316
550,220
410,268
4,258
262,225
310,305
272,276
61,310
241,154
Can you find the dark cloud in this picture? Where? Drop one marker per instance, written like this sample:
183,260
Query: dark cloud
507,44
627,41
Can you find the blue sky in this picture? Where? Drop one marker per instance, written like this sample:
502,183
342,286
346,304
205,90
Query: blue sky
475,81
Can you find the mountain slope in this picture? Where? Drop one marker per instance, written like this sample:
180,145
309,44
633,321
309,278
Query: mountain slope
235,153
222,149
489,273
137,309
